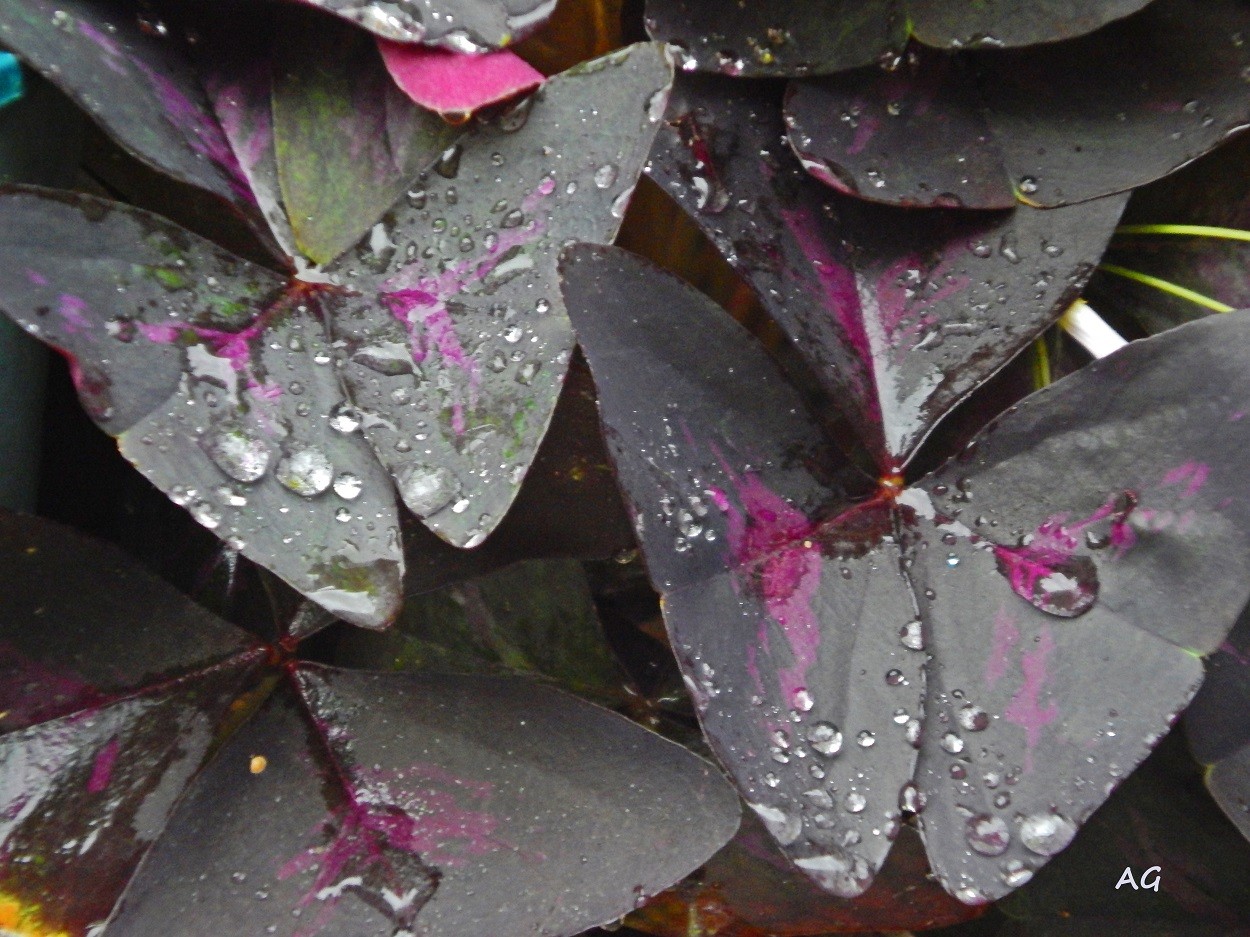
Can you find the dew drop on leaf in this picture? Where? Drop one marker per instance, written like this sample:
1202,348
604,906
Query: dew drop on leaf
1046,833
305,471
988,835
241,454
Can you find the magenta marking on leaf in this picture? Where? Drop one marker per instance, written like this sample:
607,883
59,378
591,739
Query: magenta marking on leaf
71,309
1193,475
102,768
250,129
1235,652
904,305
770,542
30,690
865,130
38,279
1025,709
418,301
1006,637
200,133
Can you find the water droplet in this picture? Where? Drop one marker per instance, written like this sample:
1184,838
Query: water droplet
911,799
512,334
238,452
1046,833
343,515
911,636
952,743
206,514
1028,185
605,175
972,718
1065,585
344,418
348,485
855,802
895,677
305,471
825,739
1015,873
988,835
866,739
448,164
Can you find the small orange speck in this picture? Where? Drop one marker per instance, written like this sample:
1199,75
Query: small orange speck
258,764
31,551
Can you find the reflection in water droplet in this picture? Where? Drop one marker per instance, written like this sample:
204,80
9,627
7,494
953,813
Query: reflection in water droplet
952,743
1057,582
348,485
802,700
866,739
825,738
911,799
972,718
1046,833
855,802
1015,873
605,175
448,164
241,454
988,835
911,636
305,471
344,418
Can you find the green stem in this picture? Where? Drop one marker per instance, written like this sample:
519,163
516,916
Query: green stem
1188,230
1041,363
1167,286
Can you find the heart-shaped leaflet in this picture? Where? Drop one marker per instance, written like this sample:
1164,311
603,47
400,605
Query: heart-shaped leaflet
991,647
445,321
162,772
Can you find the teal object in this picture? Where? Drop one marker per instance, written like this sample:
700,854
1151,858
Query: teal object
40,142
12,86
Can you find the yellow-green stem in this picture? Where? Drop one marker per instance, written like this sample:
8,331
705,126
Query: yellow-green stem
1167,286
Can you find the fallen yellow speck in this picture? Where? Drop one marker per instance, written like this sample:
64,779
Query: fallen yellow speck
258,764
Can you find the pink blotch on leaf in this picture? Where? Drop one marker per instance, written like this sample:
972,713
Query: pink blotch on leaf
71,310
1006,637
102,769
865,130
1025,709
1193,475
38,279
455,83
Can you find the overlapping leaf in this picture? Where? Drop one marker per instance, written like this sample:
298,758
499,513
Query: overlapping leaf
446,325
454,84
971,647
816,38
1055,124
459,805
901,314
134,77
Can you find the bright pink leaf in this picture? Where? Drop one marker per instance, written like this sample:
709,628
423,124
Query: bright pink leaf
453,82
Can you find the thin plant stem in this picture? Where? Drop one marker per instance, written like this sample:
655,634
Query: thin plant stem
1167,286
1186,230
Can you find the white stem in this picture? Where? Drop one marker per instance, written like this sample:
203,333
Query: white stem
1090,330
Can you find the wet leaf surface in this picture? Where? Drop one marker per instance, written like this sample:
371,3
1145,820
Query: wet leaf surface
749,889
449,804
1055,124
900,313
347,142
464,25
969,647
439,342
816,38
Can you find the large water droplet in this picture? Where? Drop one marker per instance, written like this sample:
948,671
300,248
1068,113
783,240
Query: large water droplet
911,636
972,718
952,743
237,451
1046,833
305,471
344,418
855,802
988,835
425,489
348,485
1056,582
825,738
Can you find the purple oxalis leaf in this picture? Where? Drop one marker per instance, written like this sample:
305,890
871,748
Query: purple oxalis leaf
455,84
395,802
134,77
901,313
1055,124
219,376
462,25
823,36
970,647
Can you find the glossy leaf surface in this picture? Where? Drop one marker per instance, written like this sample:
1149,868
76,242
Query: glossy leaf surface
136,82
347,142
450,341
1087,543
900,313
457,339
216,379
453,83
466,25
348,800
88,774
816,38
